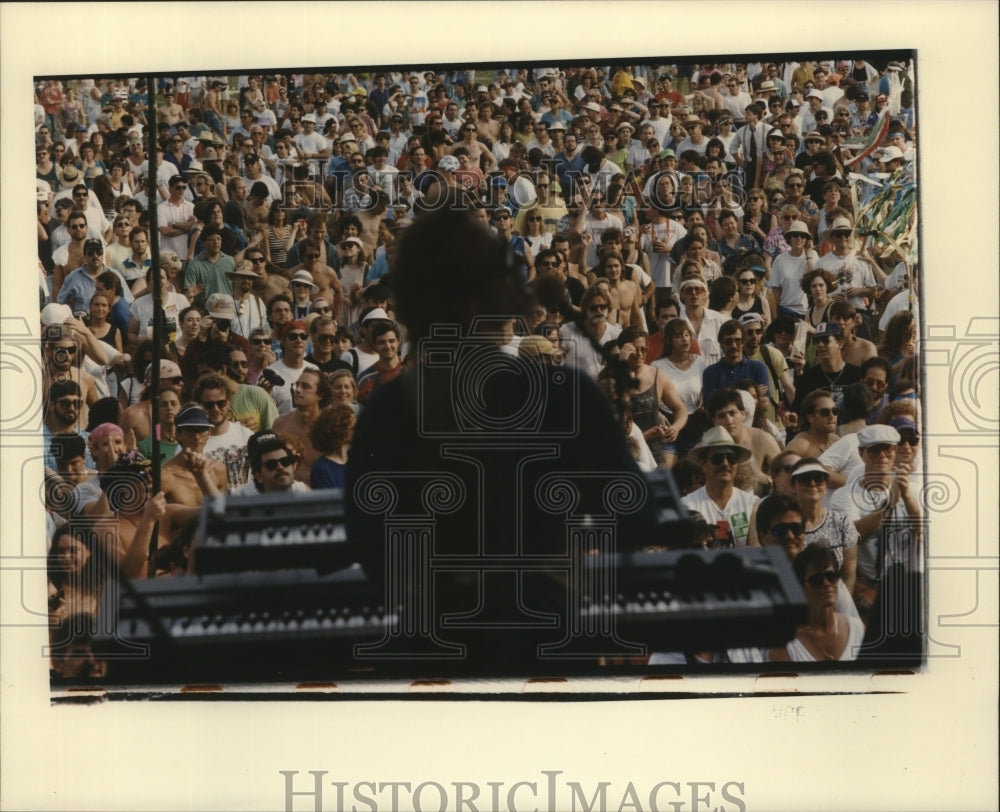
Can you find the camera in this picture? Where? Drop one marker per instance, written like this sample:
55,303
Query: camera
473,386
272,377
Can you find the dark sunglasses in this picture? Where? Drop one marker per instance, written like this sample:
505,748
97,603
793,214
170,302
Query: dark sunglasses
827,412
720,457
911,441
215,404
284,462
297,337
817,579
262,342
70,402
812,478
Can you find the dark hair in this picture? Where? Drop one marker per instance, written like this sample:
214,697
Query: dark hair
771,507
722,398
671,330
112,281
857,402
66,446
809,276
897,332
812,555
731,327
876,362
720,291
104,410
447,250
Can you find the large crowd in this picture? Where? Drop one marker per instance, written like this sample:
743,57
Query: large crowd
741,237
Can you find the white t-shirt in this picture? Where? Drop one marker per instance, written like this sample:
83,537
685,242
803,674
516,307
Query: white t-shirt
230,448
736,512
283,394
855,273
580,352
786,273
142,311
687,382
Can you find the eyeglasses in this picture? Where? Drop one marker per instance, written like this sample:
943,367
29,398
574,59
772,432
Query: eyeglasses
812,478
910,441
817,579
208,405
297,337
752,280
720,457
322,309
78,226
79,194
501,217
873,383
70,403
881,448
261,342
783,529
326,338
753,331
794,185
284,462
597,308
827,412
257,259
181,186
240,363
534,219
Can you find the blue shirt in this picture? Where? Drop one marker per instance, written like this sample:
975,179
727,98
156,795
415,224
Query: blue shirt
721,375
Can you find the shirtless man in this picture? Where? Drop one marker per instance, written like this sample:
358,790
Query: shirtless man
169,111
625,294
477,150
76,225
309,393
325,277
818,422
726,409
178,478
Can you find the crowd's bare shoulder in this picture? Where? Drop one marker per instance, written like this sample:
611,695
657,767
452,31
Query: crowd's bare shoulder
482,370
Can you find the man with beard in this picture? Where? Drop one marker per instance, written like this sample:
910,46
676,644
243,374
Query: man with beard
721,504
578,337
227,441
273,459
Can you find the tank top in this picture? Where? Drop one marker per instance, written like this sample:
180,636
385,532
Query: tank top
645,408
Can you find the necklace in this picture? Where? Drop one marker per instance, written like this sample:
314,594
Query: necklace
833,380
827,654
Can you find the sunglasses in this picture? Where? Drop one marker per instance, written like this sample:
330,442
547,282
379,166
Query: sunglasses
827,412
597,308
240,363
70,402
752,280
534,219
297,337
817,579
262,342
284,462
910,441
812,478
207,405
720,457
782,530
65,350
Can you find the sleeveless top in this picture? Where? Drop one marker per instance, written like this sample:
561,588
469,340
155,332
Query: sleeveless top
276,245
756,307
645,407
